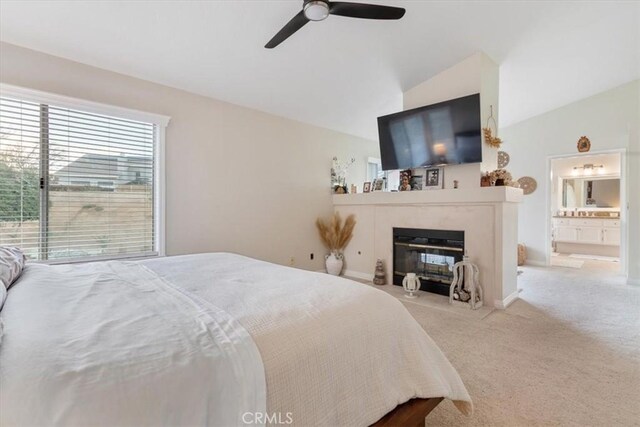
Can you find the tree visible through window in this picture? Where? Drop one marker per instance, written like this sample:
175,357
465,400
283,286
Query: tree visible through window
74,184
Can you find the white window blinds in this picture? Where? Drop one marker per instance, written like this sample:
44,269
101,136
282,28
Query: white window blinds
74,184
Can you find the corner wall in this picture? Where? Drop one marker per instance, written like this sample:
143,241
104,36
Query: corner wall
611,120
237,179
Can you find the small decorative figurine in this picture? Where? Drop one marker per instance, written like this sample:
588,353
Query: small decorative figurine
455,183
379,277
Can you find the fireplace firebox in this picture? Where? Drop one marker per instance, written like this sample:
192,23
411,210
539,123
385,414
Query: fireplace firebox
430,254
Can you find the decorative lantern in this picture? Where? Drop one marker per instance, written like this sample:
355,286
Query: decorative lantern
466,286
411,284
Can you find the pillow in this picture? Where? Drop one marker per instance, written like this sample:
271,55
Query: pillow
3,296
12,262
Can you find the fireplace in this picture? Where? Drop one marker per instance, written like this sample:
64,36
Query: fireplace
430,254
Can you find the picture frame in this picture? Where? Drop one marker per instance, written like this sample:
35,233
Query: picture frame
405,175
366,188
417,182
378,185
433,179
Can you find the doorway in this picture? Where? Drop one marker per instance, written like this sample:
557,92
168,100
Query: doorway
586,215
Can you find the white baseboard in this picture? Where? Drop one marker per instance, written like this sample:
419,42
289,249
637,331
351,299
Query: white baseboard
535,263
633,282
502,304
351,273
358,275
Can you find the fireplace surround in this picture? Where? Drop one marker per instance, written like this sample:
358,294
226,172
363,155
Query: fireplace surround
488,216
430,254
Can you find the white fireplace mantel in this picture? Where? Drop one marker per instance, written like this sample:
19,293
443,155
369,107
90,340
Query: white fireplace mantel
456,196
487,215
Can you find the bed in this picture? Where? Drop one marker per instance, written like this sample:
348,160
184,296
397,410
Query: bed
212,339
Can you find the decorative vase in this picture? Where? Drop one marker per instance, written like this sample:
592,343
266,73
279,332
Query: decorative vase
334,262
411,284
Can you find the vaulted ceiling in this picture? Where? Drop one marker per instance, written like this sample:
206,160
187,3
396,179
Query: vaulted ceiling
341,73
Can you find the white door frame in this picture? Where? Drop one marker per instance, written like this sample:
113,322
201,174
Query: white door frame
624,207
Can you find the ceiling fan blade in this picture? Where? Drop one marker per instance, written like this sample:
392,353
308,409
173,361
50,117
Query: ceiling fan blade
366,11
292,26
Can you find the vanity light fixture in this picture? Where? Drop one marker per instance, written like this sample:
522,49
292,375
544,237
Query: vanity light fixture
587,169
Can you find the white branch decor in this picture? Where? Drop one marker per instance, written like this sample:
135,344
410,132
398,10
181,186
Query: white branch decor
339,171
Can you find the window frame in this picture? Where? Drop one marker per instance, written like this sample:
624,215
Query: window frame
159,180
373,161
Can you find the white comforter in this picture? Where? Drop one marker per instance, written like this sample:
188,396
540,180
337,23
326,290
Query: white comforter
113,344
211,339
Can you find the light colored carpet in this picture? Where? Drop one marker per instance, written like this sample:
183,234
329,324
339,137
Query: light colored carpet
566,353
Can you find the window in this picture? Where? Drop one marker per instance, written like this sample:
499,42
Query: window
374,169
76,184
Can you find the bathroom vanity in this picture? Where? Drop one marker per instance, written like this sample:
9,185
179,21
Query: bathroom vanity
588,218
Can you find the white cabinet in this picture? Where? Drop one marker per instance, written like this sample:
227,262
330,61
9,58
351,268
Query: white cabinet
589,234
566,234
611,236
593,231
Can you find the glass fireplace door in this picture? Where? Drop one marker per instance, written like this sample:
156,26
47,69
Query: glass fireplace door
430,254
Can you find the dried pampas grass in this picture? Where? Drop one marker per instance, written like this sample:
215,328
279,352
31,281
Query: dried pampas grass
335,234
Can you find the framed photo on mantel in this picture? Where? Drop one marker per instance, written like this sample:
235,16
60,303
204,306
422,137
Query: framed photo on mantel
377,185
433,179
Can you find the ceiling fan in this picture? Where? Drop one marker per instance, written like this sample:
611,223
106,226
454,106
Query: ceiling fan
318,10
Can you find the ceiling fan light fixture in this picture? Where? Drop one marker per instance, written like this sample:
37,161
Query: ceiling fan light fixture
317,10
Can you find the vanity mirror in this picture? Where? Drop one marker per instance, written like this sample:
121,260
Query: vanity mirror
591,192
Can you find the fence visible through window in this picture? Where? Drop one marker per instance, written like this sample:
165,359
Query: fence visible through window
75,184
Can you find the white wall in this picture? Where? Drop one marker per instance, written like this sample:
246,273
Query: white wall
476,74
237,179
611,121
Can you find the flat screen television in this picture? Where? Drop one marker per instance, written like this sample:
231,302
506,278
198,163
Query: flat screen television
446,133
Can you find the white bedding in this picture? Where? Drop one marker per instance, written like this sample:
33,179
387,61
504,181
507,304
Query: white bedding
205,339
112,344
